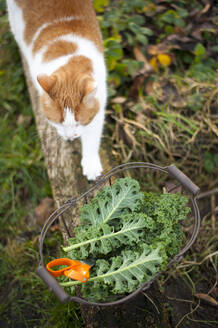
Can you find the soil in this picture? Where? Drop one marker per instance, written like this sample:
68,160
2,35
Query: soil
181,309
187,309
139,312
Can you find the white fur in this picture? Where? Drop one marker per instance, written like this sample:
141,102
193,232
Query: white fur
69,129
91,134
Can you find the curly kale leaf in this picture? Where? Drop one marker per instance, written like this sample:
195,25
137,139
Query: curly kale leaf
165,210
112,202
141,220
103,239
122,274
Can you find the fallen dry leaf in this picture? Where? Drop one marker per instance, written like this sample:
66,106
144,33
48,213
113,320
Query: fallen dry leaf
197,33
160,9
149,87
175,37
164,59
205,9
139,55
215,291
36,242
179,31
44,210
207,298
136,85
118,100
158,49
147,68
179,102
23,119
55,227
172,188
20,119
153,63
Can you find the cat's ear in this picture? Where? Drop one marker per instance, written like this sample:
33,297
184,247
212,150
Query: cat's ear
47,82
89,95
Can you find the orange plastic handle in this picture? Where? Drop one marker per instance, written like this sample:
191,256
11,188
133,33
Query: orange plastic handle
62,261
80,273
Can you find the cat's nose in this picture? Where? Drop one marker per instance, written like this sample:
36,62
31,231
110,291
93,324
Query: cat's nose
69,135
72,137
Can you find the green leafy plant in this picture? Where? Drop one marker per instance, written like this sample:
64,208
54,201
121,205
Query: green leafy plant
210,161
103,239
122,274
112,202
129,24
133,235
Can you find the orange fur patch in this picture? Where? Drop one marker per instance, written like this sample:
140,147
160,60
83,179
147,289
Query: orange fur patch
39,12
58,49
76,26
84,115
68,91
51,110
73,82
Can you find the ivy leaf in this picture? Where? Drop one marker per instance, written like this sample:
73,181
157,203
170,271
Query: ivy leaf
199,50
132,65
147,31
142,38
100,4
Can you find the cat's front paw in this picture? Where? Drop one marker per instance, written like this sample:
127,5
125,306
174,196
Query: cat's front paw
91,167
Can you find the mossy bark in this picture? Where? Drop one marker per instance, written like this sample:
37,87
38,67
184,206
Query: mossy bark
63,165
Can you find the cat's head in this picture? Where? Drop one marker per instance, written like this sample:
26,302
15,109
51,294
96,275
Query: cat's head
69,98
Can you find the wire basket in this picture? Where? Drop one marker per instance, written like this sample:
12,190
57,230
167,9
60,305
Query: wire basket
172,172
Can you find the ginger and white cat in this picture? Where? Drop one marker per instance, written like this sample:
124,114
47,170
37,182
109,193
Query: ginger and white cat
62,44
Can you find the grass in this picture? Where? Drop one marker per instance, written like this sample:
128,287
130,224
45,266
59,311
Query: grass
173,121
25,302
24,299
170,129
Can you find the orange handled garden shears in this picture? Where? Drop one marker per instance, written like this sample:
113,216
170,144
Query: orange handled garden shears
77,270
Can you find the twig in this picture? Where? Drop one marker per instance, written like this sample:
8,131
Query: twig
179,300
212,288
211,98
188,263
207,193
156,308
213,208
187,314
211,125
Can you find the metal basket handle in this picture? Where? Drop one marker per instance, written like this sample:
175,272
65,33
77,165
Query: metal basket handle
185,181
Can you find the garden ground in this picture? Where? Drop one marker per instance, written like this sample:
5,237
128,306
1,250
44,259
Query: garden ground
162,108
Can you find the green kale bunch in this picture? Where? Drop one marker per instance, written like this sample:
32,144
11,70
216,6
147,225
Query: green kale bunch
131,234
165,212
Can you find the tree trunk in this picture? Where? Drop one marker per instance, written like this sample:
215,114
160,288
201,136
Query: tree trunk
63,165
